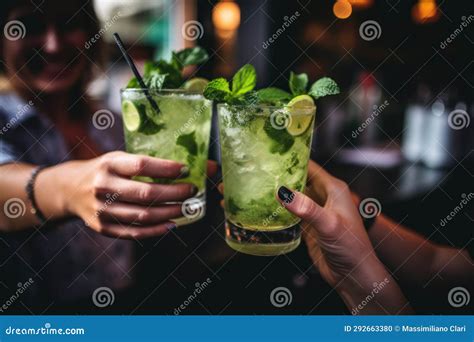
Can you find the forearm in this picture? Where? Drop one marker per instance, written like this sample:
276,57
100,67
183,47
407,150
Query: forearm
417,261
17,213
371,290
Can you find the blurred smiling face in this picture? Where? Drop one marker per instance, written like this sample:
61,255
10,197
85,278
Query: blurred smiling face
47,59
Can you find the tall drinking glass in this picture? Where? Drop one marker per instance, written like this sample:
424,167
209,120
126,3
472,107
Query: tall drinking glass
263,148
180,132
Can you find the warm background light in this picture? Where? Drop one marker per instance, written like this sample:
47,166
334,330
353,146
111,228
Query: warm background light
226,16
361,3
342,9
425,11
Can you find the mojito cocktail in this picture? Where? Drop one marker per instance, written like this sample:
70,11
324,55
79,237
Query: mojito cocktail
263,148
180,132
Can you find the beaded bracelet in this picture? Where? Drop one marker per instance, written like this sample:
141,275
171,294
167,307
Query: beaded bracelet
30,192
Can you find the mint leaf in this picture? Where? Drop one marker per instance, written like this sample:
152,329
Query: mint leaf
189,56
248,99
273,95
155,80
298,83
133,83
217,90
282,140
188,141
323,87
244,80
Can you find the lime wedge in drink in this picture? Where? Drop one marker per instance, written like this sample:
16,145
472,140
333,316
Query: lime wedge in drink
196,84
135,119
300,121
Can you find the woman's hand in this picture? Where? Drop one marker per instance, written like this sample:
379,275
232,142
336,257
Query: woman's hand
339,245
102,193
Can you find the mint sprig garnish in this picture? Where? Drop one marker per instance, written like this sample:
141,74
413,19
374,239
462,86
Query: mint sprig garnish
298,83
323,87
168,74
240,92
273,95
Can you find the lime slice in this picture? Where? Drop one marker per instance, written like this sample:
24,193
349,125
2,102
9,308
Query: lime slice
196,84
132,118
135,119
300,108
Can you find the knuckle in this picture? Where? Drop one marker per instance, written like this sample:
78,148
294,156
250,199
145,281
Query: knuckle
143,215
145,193
305,207
340,186
139,164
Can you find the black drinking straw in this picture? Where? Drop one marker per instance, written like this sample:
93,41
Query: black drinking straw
135,71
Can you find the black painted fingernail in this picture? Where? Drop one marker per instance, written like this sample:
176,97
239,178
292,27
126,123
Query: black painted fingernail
285,194
194,190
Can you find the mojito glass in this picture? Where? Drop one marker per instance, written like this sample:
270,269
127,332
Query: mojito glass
262,148
180,132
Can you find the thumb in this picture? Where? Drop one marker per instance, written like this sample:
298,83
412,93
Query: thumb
303,207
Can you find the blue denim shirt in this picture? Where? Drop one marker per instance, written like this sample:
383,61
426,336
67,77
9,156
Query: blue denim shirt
67,260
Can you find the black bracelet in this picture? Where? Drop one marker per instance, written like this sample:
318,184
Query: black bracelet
30,192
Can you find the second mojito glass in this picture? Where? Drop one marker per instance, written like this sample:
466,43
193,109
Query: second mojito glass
263,148
179,132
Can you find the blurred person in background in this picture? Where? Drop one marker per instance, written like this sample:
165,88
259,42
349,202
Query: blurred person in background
57,170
